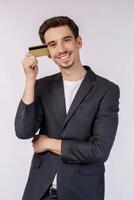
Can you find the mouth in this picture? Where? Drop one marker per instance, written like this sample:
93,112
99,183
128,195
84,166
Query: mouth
64,57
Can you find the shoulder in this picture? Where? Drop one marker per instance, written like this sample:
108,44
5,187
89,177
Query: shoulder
105,83
46,82
49,78
107,87
101,83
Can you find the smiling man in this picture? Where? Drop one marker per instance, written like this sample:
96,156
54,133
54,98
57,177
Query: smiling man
76,113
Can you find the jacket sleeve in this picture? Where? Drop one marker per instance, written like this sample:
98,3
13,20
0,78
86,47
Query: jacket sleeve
97,148
28,117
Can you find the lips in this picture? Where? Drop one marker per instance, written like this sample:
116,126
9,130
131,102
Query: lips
64,57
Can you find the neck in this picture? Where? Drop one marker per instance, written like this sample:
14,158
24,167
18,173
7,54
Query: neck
73,73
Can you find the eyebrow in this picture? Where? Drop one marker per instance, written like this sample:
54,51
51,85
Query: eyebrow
66,37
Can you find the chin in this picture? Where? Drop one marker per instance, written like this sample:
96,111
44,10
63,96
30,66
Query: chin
66,66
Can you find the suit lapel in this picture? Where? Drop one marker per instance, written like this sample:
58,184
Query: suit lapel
59,96
85,87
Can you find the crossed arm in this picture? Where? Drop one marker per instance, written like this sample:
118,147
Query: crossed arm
42,143
96,149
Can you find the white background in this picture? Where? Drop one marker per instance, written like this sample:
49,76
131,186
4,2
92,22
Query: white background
107,29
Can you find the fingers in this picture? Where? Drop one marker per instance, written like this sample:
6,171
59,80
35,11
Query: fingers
36,144
35,138
31,63
40,143
30,66
28,54
29,60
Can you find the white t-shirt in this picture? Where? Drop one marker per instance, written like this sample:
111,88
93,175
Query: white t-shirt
70,90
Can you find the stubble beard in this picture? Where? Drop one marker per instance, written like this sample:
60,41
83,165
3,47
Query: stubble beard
67,66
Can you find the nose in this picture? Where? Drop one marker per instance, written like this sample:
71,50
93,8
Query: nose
61,48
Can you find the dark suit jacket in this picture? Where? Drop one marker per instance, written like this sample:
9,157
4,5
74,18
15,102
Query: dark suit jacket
88,132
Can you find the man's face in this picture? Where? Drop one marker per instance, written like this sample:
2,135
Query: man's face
63,47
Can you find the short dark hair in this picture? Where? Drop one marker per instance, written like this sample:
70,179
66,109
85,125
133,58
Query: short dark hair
56,22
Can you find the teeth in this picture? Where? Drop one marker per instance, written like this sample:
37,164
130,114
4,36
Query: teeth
64,57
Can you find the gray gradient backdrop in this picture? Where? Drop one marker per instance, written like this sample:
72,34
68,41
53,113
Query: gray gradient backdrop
107,29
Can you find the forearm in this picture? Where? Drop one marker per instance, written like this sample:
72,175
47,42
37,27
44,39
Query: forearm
25,121
28,95
29,114
54,145
96,151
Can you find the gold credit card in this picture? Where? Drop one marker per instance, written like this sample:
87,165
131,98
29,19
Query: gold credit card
40,50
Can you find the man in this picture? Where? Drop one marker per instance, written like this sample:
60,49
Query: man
76,113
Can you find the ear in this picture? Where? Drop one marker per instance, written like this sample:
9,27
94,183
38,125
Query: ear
79,41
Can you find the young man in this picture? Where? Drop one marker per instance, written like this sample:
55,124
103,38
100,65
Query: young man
76,113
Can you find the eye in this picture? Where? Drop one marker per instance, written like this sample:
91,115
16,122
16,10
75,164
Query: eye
52,45
67,39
